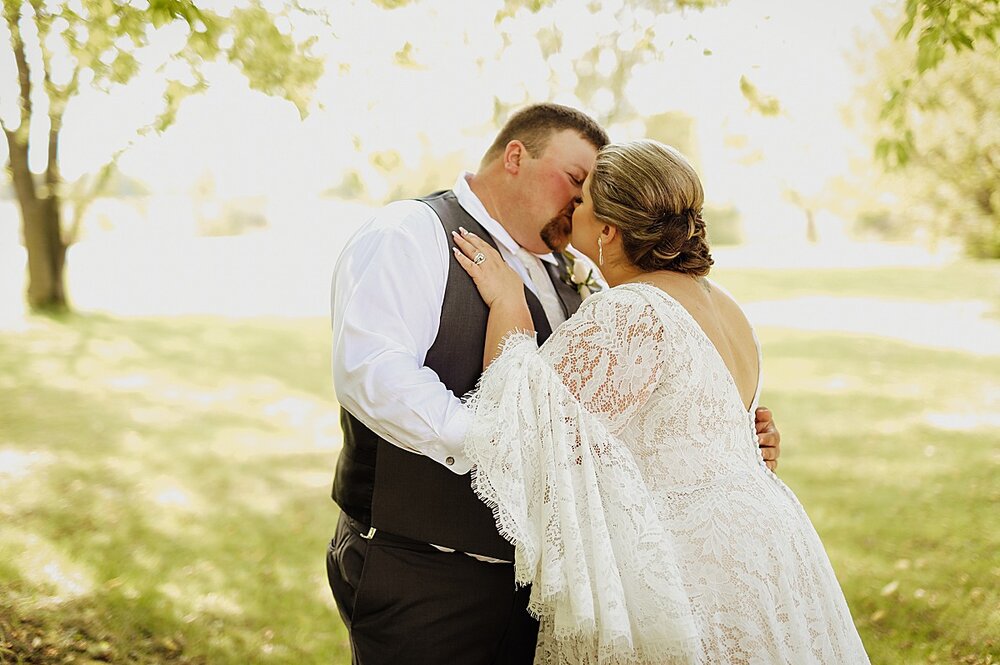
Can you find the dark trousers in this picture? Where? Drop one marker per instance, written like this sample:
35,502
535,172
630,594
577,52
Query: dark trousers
407,603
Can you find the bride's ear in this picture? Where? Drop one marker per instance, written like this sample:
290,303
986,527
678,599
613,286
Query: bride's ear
609,233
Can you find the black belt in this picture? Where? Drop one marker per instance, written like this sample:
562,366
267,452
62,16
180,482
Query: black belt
374,535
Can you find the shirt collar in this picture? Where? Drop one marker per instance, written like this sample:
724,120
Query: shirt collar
472,205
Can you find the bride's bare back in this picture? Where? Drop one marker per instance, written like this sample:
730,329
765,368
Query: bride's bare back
722,321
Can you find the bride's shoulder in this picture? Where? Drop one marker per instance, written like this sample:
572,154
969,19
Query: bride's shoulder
625,302
731,314
622,294
720,291
644,294
723,298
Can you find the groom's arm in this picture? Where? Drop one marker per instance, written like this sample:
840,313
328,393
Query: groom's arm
386,302
768,437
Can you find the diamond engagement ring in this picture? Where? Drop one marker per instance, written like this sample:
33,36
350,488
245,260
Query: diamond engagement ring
479,258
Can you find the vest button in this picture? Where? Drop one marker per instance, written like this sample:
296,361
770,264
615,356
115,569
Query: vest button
449,460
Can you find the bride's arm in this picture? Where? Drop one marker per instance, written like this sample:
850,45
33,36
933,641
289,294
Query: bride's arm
552,462
591,346
501,289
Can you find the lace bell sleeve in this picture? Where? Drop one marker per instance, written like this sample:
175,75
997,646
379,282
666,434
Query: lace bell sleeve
566,491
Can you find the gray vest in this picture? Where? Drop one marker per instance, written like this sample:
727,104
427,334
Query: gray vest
410,495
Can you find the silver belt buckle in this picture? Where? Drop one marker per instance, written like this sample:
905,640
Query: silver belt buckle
370,534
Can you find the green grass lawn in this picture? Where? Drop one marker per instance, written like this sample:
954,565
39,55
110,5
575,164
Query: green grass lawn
164,482
172,503
967,280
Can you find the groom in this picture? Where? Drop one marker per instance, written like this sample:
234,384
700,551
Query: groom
417,568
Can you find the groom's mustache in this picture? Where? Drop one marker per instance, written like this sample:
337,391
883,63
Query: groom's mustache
565,218
557,231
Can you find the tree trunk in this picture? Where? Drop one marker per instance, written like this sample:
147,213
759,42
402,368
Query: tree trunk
812,232
42,233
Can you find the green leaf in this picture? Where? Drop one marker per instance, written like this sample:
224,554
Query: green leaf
961,40
765,105
902,154
124,67
386,160
175,93
905,29
929,54
404,57
273,62
511,7
882,149
160,16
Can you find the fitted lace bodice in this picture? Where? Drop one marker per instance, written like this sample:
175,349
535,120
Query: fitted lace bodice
640,350
622,463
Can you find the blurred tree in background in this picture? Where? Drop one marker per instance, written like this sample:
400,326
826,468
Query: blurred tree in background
596,79
63,45
938,96
601,76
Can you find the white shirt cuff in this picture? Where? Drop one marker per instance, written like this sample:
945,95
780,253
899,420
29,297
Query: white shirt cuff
453,443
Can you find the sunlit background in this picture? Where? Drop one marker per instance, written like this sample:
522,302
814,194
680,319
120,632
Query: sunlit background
168,433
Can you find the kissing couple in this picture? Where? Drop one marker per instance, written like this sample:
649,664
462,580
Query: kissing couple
528,476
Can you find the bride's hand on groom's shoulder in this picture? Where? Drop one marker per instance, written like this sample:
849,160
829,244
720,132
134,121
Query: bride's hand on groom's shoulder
768,437
496,281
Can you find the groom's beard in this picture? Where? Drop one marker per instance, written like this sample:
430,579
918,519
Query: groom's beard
556,233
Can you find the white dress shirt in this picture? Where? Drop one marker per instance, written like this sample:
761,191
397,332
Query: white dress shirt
388,290
540,278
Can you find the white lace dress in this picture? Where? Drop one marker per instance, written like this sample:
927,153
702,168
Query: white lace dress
620,461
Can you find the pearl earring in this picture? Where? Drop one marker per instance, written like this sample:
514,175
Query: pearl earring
600,250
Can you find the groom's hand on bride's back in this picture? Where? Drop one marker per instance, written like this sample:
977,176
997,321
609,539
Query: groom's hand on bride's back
768,437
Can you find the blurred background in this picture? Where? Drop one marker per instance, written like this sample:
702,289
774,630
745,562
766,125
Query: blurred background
182,175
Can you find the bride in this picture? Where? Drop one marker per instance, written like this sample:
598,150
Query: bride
620,457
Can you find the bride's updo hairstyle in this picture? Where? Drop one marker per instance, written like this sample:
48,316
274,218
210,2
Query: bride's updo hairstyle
653,195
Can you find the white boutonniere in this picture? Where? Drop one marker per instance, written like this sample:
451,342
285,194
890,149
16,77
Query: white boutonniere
580,275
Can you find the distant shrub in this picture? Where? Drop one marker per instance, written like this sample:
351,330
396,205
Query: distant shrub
237,217
723,225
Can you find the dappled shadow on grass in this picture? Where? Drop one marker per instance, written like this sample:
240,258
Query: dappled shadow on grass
292,351
168,484
170,478
903,506
75,632
907,519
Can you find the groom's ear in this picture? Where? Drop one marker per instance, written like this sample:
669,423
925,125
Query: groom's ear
512,156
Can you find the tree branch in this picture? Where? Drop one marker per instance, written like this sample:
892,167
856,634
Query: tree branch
57,102
12,13
100,183
83,202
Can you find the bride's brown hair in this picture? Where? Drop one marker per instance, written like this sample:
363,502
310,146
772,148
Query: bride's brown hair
652,194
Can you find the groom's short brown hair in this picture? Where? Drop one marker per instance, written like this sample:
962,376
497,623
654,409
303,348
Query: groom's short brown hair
535,124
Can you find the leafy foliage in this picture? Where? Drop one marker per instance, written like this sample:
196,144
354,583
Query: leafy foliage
766,105
939,129
944,29
627,40
104,43
101,38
